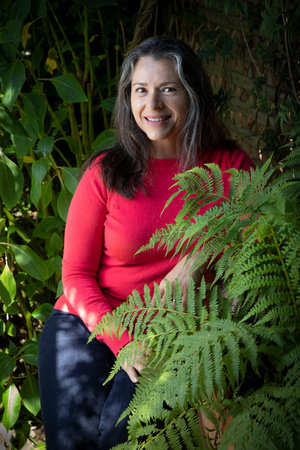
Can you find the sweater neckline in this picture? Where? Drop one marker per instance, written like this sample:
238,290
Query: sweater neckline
163,164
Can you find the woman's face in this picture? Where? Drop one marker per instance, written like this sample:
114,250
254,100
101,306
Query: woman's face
159,103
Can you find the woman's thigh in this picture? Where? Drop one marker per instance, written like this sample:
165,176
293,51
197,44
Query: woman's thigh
71,373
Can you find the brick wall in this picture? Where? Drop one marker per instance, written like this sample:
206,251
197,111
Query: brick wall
249,112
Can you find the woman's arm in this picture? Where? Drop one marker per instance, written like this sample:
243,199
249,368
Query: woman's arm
83,247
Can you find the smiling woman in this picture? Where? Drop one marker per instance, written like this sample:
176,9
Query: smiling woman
165,122
159,104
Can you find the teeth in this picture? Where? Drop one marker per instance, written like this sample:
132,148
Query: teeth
155,120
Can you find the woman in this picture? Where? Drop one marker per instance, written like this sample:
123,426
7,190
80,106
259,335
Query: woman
165,123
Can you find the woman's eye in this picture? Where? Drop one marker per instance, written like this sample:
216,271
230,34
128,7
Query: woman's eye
140,90
168,89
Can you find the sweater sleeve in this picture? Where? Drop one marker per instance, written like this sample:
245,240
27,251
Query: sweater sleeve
83,246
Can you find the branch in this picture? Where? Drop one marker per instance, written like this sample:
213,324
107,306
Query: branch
248,48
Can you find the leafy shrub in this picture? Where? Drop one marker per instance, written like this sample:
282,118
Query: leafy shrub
58,82
233,355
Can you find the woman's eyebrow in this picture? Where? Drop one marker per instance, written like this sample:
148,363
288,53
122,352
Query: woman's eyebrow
141,83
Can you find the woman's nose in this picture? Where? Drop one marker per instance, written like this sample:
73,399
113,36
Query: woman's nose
155,100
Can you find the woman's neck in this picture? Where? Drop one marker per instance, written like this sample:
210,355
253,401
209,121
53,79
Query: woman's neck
160,150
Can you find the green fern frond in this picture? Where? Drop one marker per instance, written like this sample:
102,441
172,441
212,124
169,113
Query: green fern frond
218,366
290,358
293,374
206,364
264,304
292,160
251,280
284,314
265,419
233,360
157,239
234,350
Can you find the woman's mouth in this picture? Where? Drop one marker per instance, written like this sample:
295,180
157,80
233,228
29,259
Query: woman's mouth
157,120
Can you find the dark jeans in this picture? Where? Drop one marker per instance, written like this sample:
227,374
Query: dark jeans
79,413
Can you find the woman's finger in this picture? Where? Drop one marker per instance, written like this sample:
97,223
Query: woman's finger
132,373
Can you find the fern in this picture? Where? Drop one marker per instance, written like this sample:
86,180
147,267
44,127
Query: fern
239,356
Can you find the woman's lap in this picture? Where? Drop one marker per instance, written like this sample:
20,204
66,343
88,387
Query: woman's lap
71,374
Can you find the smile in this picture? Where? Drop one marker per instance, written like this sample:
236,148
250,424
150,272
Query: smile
157,119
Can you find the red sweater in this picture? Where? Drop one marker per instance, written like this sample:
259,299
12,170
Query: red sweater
104,231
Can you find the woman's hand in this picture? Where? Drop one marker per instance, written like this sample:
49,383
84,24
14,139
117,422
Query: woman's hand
135,363
182,272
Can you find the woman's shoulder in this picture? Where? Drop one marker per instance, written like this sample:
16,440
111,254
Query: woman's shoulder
228,158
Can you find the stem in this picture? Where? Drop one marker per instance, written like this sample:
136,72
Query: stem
85,132
27,316
61,56
74,127
10,217
108,71
90,90
83,105
123,36
75,60
62,157
87,53
247,45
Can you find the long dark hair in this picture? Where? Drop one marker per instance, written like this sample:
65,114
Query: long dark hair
124,164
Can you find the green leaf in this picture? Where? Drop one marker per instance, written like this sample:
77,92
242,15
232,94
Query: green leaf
108,104
45,146
68,88
11,181
46,193
8,287
104,140
63,202
2,224
7,191
11,125
11,32
12,405
12,84
12,309
30,394
30,352
38,8
2,331
7,365
39,170
70,178
43,312
20,231
31,125
11,329
20,9
54,244
35,107
30,262
59,290
48,224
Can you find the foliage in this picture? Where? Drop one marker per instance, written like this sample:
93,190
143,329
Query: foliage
58,77
233,354
265,36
